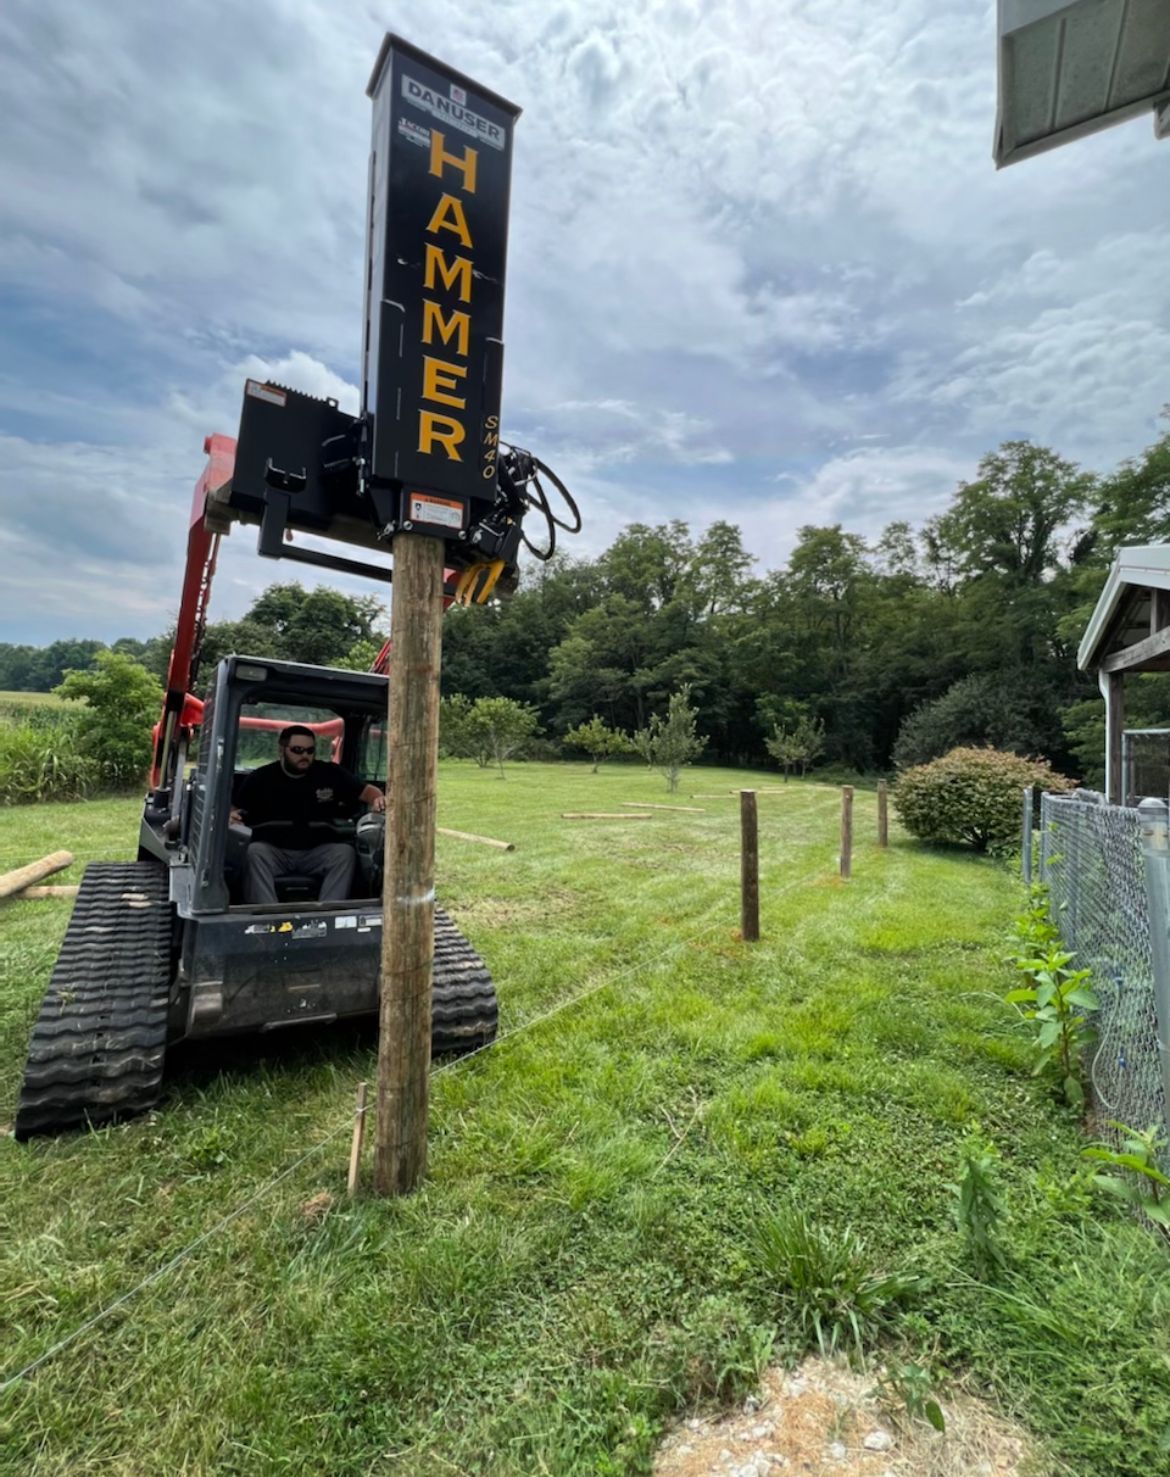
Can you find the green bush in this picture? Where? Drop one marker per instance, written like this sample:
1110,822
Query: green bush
122,702
972,797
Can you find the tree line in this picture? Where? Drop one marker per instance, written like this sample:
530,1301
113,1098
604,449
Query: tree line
962,631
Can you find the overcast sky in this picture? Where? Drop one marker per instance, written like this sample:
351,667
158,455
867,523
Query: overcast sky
761,266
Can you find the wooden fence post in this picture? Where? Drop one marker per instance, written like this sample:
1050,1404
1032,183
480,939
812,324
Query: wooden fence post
847,831
408,889
749,868
883,813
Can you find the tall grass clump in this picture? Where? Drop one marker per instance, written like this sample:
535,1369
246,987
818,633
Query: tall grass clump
826,1284
40,760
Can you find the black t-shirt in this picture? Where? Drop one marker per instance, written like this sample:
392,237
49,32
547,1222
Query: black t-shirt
297,812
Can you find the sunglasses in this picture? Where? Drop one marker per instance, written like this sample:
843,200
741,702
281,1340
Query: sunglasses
301,748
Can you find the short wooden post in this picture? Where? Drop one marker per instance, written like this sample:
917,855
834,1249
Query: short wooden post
883,813
359,1135
847,831
749,868
408,896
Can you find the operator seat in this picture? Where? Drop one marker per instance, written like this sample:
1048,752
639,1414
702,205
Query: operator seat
292,887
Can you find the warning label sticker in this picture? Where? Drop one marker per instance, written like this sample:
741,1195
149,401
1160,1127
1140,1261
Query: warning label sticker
349,921
314,930
259,391
438,510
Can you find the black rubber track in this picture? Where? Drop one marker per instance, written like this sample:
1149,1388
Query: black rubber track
464,1009
98,1046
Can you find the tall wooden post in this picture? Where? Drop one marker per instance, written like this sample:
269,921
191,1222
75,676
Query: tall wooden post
846,830
408,895
749,868
883,813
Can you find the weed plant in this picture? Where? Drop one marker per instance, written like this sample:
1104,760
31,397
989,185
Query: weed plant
1140,1183
1056,999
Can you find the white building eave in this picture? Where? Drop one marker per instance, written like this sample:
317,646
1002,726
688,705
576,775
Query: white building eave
1145,566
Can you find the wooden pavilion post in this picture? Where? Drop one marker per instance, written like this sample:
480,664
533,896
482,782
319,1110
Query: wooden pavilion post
1114,727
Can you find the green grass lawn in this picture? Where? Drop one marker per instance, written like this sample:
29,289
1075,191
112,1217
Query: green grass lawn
582,1260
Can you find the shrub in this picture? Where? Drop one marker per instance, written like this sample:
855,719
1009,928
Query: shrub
797,747
122,701
971,796
599,741
498,727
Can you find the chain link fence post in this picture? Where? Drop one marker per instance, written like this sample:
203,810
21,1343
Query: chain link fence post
1026,837
1156,856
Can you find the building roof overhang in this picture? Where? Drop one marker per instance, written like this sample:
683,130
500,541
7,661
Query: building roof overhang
1142,567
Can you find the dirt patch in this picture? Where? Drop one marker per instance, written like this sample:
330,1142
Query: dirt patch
824,1418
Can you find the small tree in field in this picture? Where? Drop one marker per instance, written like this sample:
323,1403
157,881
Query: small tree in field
599,741
498,727
668,743
454,740
122,702
797,747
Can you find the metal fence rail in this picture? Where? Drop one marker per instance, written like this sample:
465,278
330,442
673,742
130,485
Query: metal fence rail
1093,862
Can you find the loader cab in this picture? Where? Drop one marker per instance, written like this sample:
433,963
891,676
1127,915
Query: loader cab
250,701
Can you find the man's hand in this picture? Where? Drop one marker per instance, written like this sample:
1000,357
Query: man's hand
374,798
235,819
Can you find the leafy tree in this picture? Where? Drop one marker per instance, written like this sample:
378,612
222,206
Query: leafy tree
123,701
668,743
599,741
497,728
454,739
798,746
361,655
1016,518
317,626
980,709
1134,501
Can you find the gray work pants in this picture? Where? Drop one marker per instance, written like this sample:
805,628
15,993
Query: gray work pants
333,863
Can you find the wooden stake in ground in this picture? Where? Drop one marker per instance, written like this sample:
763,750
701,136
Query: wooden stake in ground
24,877
883,813
846,830
606,815
355,1148
645,805
483,840
749,868
408,892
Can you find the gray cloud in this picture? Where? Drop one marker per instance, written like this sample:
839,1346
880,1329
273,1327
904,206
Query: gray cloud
746,241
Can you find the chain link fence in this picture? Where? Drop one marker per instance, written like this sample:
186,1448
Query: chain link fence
1092,860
